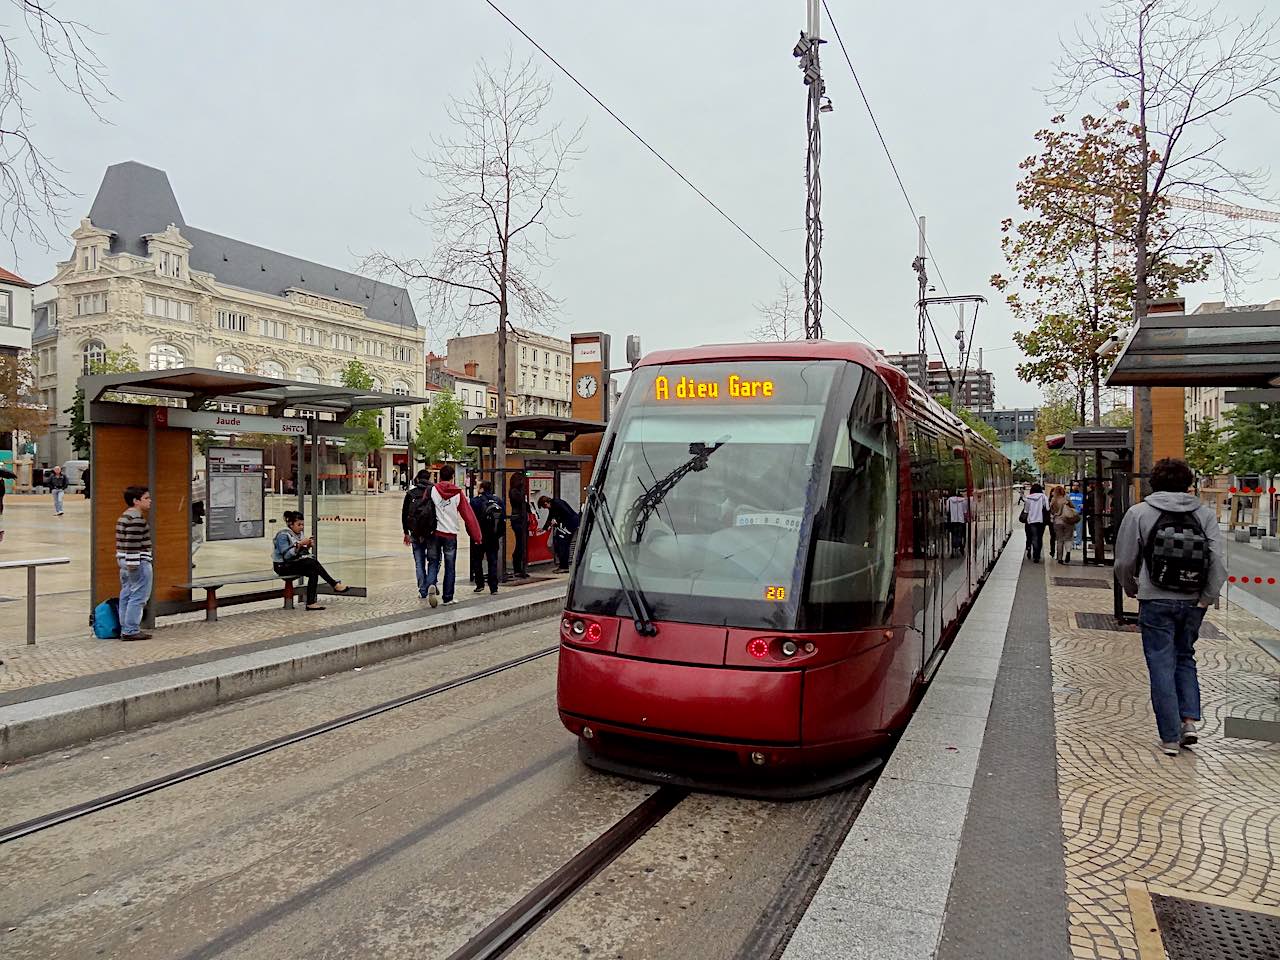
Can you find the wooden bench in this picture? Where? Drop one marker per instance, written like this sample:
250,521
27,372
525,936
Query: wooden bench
211,586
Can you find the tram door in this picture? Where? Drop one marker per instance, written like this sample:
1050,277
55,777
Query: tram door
928,539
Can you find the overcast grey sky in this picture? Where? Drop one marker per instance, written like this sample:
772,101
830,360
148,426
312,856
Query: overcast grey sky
294,125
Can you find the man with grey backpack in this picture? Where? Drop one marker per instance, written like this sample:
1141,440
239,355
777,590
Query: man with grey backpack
1169,555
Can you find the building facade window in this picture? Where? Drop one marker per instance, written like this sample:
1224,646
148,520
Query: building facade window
269,368
343,342
167,308
400,425
6,308
89,303
308,375
230,363
400,388
404,354
89,259
335,377
275,329
93,351
234,321
309,336
164,356
373,348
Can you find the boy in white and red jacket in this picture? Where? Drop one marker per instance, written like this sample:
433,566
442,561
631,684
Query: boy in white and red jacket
453,512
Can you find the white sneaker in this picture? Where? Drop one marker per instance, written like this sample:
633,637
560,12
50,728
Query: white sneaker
433,595
450,603
1171,749
1189,735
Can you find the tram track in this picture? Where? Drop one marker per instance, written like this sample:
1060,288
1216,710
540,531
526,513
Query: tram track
500,936
76,811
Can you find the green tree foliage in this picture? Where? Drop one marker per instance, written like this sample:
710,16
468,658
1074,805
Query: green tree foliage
439,434
19,411
366,436
1121,417
1055,417
976,423
1071,273
1206,451
1254,444
115,361
1024,471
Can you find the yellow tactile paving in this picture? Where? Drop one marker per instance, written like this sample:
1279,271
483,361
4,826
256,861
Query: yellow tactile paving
1205,822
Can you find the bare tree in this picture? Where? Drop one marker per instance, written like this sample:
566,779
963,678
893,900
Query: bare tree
1179,71
31,186
499,183
781,319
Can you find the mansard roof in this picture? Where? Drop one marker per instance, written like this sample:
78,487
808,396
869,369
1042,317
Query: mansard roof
135,200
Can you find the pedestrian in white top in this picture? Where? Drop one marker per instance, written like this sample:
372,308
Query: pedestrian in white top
1036,510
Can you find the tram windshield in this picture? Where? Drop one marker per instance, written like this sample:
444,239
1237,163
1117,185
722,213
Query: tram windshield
711,483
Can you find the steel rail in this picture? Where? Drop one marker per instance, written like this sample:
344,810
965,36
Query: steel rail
36,824
517,921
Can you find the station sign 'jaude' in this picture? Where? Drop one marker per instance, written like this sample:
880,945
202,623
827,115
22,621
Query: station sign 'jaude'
690,388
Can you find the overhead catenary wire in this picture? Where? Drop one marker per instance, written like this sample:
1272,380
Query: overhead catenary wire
665,162
915,218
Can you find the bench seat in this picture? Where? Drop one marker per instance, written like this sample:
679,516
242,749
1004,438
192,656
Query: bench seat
211,586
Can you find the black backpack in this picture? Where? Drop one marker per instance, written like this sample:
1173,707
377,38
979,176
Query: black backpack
1177,553
491,518
422,516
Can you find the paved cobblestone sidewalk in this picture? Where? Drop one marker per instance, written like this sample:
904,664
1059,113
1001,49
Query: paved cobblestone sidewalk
1205,822
66,649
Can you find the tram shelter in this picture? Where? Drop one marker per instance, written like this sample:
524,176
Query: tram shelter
142,432
1170,350
542,449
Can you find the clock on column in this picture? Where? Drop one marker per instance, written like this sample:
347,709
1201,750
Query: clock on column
587,386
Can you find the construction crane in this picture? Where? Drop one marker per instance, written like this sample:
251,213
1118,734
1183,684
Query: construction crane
1228,210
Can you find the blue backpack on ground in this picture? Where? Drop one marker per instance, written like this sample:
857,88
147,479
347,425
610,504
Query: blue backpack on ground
106,619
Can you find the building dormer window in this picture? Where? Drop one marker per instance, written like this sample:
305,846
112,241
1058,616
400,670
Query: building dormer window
170,265
89,259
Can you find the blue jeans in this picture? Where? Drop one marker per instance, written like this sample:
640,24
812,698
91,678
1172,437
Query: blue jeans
57,500
1080,533
135,591
1169,632
420,564
437,547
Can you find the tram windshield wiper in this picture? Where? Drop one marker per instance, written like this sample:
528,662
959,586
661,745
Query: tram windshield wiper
639,513
641,612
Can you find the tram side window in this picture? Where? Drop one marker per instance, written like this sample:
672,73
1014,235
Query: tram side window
854,532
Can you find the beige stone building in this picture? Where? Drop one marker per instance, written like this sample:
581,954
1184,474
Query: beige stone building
539,369
140,277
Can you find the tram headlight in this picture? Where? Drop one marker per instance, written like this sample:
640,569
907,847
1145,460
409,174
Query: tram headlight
788,648
578,628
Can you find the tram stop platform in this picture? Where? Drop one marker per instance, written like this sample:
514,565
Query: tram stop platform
1029,813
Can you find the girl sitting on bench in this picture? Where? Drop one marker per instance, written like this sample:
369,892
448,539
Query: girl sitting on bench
290,557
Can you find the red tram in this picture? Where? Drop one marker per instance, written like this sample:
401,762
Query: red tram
778,545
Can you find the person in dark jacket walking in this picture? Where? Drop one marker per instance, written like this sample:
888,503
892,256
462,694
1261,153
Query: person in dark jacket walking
519,502
421,488
489,515
565,520
57,484
1170,619
4,475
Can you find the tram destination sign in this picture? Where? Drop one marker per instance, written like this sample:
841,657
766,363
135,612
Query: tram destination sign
732,387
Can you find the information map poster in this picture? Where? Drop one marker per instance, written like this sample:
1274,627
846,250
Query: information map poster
236,500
